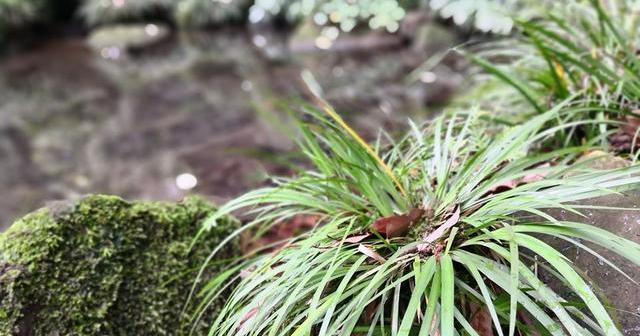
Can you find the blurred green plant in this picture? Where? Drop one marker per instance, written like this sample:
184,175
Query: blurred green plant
16,13
107,11
188,13
417,236
385,14
583,48
487,15
202,13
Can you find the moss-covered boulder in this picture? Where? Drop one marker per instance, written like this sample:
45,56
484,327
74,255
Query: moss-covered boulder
104,266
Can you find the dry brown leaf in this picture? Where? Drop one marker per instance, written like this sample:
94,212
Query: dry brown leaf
627,135
396,226
437,233
356,239
247,317
351,240
481,320
369,252
529,178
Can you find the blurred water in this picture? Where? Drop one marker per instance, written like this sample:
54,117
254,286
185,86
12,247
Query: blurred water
190,113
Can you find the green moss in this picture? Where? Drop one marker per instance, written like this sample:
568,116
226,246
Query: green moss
103,267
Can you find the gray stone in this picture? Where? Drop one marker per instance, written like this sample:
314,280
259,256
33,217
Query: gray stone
619,291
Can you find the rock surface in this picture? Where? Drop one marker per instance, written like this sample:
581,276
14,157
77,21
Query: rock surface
104,266
618,290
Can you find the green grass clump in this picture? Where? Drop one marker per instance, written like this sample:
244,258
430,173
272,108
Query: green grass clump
582,49
468,211
104,266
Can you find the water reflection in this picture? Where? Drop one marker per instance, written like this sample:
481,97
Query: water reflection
182,110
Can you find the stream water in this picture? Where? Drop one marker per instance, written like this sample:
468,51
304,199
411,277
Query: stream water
191,113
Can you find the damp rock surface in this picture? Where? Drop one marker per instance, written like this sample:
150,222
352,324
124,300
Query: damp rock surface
618,291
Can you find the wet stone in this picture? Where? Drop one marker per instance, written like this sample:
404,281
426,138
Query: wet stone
126,36
618,290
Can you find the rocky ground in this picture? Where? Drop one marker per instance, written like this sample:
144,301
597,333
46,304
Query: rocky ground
128,109
621,295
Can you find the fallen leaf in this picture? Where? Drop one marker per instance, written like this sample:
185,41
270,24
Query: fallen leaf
396,226
600,160
436,234
351,240
437,252
627,134
529,178
245,273
631,126
247,317
357,239
370,311
423,248
481,320
369,252
524,319
278,235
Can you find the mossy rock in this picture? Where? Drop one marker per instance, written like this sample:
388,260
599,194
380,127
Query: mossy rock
104,266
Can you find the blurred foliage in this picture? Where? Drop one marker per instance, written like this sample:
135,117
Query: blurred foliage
582,49
201,13
106,11
346,14
198,13
192,13
15,13
485,15
495,16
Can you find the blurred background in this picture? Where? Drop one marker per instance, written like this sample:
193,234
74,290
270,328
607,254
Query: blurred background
155,99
